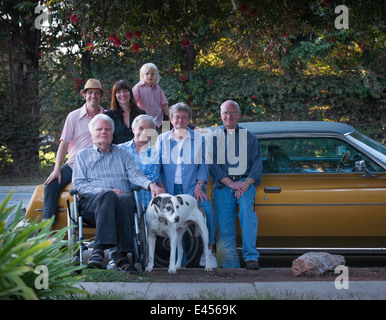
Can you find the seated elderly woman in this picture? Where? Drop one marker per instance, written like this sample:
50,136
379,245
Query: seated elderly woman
146,157
183,167
102,176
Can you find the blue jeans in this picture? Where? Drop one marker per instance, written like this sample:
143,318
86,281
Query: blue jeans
225,204
52,190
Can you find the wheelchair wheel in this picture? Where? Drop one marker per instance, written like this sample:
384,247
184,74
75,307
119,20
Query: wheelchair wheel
72,233
143,249
140,241
193,249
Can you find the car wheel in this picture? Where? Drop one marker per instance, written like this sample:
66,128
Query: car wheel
193,249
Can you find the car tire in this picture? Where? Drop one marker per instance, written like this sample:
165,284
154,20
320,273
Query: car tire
193,249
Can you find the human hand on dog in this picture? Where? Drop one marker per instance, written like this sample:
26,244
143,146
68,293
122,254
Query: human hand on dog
156,190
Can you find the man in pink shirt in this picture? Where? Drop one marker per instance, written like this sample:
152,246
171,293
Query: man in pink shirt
75,136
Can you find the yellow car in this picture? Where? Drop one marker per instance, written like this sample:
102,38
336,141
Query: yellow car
323,187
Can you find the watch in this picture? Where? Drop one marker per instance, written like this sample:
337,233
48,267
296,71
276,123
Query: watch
248,181
149,185
200,184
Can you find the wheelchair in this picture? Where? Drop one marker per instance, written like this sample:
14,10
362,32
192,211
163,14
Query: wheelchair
78,220
66,211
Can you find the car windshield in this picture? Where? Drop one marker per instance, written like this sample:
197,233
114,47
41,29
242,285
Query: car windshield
368,141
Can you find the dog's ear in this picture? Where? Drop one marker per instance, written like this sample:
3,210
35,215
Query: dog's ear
180,200
156,201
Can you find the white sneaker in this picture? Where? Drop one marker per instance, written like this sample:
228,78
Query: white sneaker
212,260
111,265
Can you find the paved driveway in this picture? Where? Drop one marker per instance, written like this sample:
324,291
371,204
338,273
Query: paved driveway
21,194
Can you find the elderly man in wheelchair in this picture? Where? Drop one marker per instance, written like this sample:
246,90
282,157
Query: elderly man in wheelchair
101,176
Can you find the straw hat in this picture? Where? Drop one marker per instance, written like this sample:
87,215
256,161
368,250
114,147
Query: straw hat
92,84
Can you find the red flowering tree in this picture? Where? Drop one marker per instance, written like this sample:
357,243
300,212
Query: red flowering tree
184,29
179,28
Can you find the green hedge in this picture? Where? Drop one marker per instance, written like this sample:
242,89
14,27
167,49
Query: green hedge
356,98
353,99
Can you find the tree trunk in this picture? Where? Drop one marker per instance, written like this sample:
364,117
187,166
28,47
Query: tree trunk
190,54
24,109
86,65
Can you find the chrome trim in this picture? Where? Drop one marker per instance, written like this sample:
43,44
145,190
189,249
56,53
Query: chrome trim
299,135
272,189
285,250
317,204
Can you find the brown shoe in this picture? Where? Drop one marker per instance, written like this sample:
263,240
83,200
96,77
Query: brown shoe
252,265
96,258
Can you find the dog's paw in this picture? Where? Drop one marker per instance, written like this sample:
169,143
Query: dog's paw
172,270
149,269
208,269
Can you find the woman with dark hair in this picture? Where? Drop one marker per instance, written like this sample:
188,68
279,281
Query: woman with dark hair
123,111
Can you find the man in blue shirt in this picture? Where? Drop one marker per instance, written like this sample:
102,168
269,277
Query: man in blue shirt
236,171
102,176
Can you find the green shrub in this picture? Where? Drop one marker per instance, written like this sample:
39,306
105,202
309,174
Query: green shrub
354,98
34,263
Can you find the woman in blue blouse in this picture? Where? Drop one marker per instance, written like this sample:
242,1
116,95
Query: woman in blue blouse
183,167
146,157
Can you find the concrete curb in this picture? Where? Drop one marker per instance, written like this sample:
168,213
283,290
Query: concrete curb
304,290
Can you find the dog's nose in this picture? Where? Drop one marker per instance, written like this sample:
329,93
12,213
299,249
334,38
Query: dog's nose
176,219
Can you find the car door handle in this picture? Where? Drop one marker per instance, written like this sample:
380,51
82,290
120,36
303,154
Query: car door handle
272,189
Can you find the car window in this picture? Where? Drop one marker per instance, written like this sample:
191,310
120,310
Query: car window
312,155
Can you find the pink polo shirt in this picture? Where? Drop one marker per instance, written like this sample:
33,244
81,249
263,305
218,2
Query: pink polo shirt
150,99
76,133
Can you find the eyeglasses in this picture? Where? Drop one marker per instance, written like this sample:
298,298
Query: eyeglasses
180,118
229,113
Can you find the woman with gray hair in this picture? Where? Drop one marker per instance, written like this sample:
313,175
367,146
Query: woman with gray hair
144,129
183,168
144,117
180,106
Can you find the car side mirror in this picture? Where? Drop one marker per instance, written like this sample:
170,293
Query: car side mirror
361,166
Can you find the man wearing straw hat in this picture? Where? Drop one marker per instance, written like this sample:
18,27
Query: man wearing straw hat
75,136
